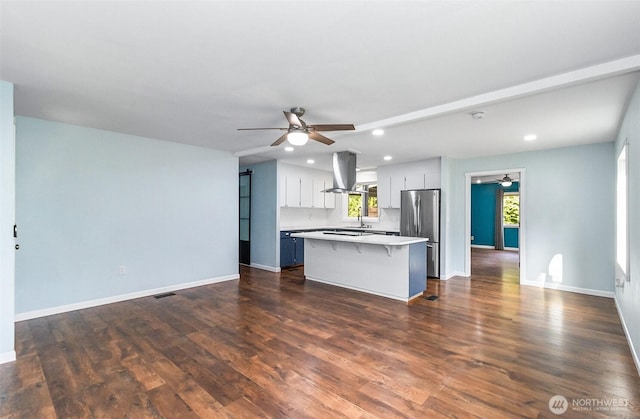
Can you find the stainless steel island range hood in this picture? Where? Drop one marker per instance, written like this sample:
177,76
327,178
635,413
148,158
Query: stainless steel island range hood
344,173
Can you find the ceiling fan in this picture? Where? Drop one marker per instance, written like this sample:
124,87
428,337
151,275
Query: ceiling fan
299,132
506,181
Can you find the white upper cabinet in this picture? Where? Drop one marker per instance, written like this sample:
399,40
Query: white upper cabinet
302,188
390,183
306,190
329,197
395,178
317,200
282,194
414,181
292,191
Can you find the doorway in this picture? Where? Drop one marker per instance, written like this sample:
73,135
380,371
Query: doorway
495,224
244,196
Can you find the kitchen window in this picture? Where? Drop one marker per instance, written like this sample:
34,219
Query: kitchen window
355,206
511,209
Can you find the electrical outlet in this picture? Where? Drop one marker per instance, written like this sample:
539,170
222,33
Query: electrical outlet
122,270
472,238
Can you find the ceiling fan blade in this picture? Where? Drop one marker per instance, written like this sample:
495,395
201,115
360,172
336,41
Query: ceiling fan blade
332,127
321,138
293,119
252,129
280,140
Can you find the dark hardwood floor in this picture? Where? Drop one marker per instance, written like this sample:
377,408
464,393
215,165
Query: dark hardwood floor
495,265
274,345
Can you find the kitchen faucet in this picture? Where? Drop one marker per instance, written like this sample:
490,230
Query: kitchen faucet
361,218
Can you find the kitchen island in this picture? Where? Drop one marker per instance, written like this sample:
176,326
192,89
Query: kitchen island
389,266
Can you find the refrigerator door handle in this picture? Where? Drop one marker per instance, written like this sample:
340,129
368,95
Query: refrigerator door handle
418,217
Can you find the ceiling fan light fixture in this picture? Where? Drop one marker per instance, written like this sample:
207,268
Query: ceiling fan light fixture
506,181
298,137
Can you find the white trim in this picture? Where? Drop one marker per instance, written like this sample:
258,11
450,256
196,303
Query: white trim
265,267
595,72
568,288
118,298
634,353
484,246
7,357
467,216
451,275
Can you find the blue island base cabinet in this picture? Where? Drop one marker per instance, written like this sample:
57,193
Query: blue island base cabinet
291,250
389,266
417,268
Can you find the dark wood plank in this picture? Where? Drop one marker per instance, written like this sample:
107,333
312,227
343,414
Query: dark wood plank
275,345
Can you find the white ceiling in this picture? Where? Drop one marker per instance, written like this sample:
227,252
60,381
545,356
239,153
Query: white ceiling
195,71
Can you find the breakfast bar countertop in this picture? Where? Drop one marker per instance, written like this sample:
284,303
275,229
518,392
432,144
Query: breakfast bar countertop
363,238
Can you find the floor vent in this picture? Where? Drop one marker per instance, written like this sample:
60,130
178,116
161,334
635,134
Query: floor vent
166,294
431,297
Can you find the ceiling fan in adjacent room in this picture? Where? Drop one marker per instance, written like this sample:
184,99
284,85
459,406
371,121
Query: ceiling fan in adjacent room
299,132
506,181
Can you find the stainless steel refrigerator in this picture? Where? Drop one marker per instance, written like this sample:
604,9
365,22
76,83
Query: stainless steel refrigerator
420,217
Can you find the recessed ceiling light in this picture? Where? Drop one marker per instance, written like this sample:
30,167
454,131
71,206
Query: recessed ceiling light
357,169
478,181
388,157
377,132
530,137
288,148
478,115
311,161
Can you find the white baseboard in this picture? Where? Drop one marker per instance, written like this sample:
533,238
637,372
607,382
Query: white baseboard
7,357
451,275
554,286
265,267
634,353
117,298
484,246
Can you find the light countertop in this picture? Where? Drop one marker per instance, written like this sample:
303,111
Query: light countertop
374,228
377,239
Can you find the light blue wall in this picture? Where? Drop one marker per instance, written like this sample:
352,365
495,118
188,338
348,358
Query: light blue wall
483,210
264,218
628,298
89,201
7,219
566,197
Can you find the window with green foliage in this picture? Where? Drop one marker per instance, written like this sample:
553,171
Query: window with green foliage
511,208
355,202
